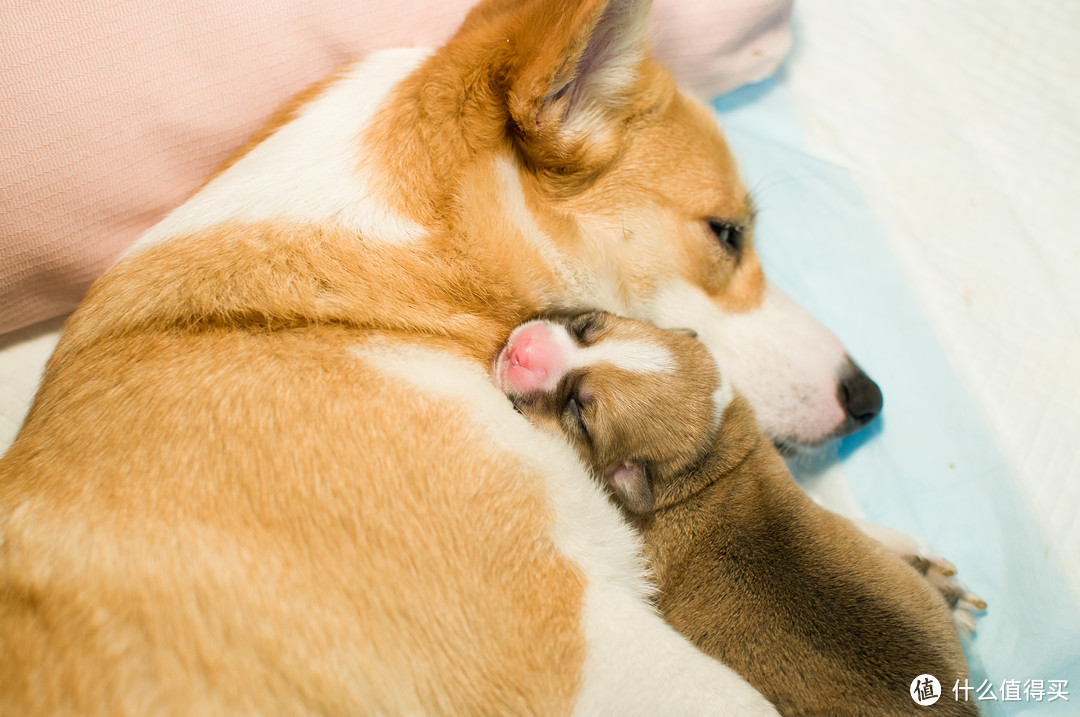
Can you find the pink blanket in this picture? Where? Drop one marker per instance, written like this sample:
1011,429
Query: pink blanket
111,114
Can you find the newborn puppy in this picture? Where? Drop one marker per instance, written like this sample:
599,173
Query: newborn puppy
817,616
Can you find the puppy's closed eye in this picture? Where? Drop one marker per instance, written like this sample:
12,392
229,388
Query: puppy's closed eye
574,410
573,407
584,329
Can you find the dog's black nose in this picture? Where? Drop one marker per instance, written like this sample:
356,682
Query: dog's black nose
858,394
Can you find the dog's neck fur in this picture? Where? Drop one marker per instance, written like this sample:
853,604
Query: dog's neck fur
739,454
736,442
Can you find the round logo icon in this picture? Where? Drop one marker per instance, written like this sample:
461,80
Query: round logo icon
925,690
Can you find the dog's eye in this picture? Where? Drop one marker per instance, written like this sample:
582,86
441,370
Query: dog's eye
583,329
573,408
729,235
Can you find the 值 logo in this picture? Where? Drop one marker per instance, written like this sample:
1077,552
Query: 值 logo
925,690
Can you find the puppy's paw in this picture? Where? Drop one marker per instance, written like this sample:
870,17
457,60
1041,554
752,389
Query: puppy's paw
939,572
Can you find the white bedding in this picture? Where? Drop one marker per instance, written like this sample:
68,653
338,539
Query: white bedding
960,123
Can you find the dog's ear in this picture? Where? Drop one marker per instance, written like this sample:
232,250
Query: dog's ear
573,66
630,483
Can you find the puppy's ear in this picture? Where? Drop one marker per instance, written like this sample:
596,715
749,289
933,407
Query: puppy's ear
685,332
574,66
631,484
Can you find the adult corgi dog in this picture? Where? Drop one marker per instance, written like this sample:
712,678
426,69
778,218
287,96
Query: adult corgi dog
267,472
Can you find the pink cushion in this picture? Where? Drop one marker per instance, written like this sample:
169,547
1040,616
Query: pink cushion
113,113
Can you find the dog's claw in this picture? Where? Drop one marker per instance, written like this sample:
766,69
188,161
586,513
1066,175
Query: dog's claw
964,620
939,572
938,568
972,603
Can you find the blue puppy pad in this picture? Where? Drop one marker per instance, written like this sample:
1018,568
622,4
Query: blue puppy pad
928,466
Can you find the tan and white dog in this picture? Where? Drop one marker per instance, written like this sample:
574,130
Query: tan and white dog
816,615
267,472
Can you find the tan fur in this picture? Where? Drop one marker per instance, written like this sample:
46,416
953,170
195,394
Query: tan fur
818,617
257,553
280,276
215,506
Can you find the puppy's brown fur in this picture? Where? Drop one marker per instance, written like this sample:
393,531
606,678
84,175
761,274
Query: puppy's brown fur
820,618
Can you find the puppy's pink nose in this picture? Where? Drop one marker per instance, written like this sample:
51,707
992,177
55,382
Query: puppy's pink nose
532,358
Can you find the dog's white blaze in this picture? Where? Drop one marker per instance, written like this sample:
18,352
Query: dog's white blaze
626,354
310,170
635,663
633,356
777,355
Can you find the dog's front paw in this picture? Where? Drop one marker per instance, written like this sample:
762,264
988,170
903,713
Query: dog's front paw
939,572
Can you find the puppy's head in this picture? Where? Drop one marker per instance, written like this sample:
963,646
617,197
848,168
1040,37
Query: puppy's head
639,404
